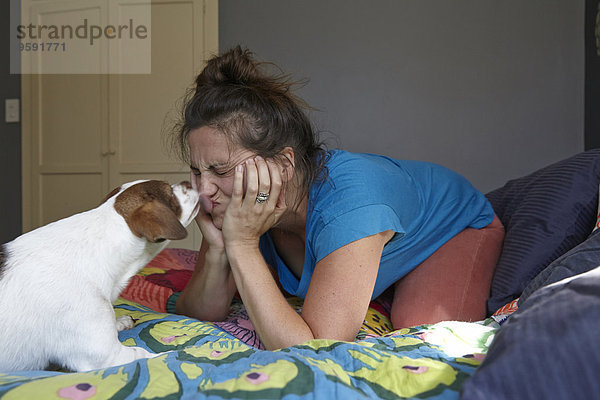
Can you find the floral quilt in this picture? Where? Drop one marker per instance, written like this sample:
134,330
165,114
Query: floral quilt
204,360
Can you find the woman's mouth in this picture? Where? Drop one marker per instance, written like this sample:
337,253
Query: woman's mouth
207,204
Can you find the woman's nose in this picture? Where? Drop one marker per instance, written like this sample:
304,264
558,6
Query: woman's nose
204,185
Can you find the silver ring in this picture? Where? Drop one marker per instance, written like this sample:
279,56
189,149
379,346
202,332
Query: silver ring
262,197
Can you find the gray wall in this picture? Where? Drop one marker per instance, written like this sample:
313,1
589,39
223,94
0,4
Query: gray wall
10,140
491,89
592,75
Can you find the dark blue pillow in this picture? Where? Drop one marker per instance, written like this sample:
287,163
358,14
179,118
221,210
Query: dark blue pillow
545,214
580,259
547,349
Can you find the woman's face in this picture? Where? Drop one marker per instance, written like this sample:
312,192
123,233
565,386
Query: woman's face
213,162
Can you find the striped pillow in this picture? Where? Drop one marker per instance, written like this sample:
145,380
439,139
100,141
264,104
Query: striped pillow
598,217
545,214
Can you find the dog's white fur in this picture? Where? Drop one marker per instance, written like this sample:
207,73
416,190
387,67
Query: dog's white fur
58,283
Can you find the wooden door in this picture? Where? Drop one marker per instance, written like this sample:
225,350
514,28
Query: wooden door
84,134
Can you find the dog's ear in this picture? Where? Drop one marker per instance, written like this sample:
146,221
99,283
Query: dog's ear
111,194
156,222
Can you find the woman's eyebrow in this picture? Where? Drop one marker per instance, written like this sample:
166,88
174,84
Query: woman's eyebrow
210,166
218,165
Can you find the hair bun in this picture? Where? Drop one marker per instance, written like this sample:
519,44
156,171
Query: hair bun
235,67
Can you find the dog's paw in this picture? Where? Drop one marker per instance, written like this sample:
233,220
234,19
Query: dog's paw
125,322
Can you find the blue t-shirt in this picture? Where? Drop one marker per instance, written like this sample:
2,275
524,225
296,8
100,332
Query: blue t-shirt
364,194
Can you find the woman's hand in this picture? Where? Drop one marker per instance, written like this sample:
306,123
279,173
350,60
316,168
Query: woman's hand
210,233
246,219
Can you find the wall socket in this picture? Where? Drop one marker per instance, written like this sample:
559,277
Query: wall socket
12,112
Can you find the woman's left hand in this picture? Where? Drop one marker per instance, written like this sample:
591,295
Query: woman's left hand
247,218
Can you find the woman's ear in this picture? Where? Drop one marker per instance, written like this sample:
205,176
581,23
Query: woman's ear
288,163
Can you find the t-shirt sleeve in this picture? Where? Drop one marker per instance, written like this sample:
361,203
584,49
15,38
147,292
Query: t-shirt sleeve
353,225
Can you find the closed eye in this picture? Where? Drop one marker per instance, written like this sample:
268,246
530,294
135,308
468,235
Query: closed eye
195,171
220,172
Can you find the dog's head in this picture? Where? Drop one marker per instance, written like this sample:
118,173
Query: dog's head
156,210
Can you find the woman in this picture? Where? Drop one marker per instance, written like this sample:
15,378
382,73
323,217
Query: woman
338,228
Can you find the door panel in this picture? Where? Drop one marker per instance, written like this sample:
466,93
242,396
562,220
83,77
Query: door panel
62,195
75,56
72,122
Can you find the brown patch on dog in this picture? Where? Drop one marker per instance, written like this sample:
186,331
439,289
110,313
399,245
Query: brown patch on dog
111,194
152,211
156,222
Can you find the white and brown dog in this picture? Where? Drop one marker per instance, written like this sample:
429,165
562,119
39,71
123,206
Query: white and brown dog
58,282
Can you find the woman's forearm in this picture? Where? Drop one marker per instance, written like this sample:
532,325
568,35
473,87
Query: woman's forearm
276,322
210,290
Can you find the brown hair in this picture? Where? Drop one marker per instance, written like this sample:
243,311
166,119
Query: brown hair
254,109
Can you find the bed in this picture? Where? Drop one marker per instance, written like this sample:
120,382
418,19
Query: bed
548,263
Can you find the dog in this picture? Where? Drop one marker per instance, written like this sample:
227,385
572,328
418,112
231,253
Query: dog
58,282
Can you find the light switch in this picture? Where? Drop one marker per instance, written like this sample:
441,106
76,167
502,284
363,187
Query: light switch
12,110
